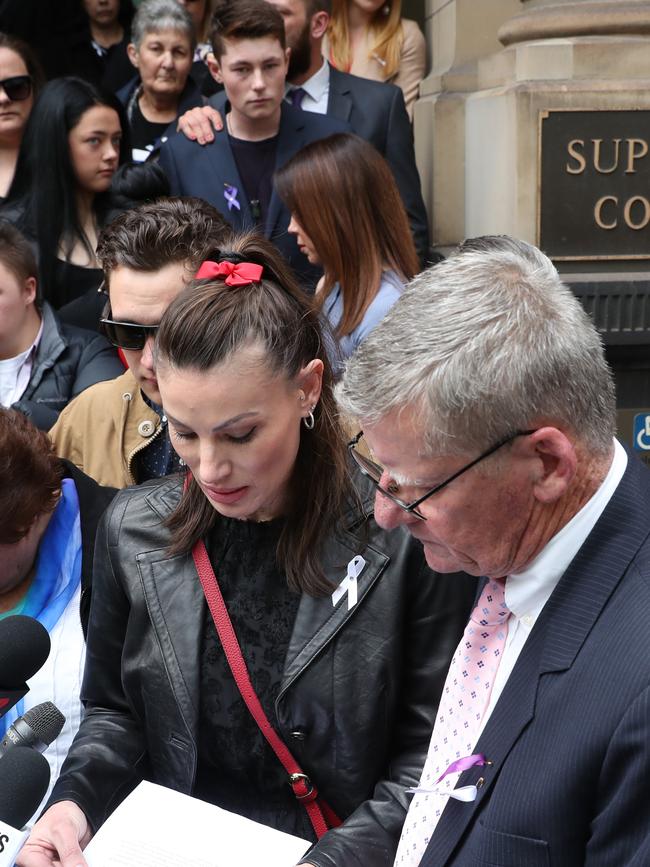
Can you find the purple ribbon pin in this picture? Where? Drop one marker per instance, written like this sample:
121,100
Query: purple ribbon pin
230,195
464,764
466,794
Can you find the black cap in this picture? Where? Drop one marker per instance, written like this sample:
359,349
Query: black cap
24,647
23,784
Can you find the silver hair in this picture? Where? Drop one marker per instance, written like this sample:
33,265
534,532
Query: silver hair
155,16
481,346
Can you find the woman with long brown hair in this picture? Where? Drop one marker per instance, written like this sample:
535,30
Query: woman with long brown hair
371,39
348,216
345,635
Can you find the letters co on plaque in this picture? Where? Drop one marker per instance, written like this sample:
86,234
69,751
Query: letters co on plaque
594,184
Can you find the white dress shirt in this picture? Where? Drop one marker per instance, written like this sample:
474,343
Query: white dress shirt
528,591
317,91
59,681
16,372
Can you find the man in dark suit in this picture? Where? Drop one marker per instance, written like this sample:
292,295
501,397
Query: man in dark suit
374,110
503,462
234,173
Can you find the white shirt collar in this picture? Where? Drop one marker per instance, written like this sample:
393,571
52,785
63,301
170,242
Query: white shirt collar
529,590
317,85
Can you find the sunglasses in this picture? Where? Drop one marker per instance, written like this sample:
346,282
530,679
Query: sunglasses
127,335
17,87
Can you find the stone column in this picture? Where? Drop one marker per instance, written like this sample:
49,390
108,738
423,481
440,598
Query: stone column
459,33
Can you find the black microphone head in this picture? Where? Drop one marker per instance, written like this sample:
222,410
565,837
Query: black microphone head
45,720
23,784
24,647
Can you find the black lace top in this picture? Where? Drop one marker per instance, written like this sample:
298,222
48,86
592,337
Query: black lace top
237,770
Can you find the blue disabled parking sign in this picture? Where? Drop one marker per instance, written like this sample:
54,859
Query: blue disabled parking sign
642,432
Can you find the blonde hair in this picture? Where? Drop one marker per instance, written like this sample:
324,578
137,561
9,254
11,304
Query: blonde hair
386,28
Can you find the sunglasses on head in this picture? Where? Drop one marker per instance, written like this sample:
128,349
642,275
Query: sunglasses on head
127,335
17,87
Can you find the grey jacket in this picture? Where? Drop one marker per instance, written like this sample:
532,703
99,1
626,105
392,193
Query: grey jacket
67,361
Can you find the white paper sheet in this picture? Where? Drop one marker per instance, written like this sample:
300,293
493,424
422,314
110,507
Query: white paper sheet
157,827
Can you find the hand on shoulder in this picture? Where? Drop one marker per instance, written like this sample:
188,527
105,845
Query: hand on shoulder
199,124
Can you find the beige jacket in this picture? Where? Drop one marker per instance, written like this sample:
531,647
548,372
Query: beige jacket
103,429
412,67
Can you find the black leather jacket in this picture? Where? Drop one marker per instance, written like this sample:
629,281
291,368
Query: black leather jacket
359,691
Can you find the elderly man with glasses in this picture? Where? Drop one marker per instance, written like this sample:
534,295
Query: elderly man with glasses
488,412
117,433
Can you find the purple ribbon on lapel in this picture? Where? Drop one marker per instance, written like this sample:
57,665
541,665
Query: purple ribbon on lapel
464,764
230,195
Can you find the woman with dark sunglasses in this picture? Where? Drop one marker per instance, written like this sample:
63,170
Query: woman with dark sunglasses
20,79
345,634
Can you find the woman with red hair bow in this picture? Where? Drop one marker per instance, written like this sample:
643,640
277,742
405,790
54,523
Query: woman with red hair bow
318,661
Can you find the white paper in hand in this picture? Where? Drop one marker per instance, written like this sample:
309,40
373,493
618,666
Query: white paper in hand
157,827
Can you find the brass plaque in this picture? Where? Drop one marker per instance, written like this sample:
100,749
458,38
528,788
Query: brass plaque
594,184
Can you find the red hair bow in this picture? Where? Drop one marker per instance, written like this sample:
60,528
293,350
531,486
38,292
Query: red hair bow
236,274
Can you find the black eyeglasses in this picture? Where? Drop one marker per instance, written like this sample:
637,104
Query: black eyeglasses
126,335
375,471
17,88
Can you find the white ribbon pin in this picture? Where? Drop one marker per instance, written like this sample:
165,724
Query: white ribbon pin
349,583
466,794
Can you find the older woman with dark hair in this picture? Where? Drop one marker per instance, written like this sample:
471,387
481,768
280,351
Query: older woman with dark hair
162,50
20,80
50,511
344,634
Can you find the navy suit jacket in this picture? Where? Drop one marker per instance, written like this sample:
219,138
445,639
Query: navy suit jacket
376,112
204,170
569,738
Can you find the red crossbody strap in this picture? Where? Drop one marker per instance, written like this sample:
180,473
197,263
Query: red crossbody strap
321,815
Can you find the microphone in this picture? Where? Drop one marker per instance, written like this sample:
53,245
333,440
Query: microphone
37,728
24,647
23,784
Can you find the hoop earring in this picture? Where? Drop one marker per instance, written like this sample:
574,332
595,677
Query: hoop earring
309,421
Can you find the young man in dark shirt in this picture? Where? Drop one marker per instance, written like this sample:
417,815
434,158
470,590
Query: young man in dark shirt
235,172
374,110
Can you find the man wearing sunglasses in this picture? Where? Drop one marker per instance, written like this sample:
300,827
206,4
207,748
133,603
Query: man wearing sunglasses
488,415
118,433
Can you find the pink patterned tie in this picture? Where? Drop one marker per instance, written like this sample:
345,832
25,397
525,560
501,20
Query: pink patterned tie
465,697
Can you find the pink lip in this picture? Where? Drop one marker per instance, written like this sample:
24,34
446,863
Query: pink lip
225,496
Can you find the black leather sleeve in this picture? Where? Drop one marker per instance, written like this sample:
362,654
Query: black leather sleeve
434,617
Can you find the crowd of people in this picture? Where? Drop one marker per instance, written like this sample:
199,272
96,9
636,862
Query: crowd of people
234,388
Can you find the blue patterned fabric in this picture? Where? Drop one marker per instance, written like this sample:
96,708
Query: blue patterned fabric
57,572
